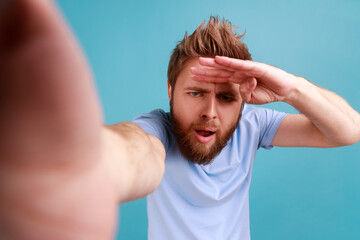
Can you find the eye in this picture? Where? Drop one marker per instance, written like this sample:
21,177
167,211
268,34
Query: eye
194,94
226,98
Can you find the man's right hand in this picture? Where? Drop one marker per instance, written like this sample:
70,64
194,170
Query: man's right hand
56,176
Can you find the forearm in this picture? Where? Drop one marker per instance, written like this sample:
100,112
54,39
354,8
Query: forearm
330,113
134,159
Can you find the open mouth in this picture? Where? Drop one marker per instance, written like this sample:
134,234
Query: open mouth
204,135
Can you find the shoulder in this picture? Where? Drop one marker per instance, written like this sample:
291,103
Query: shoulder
157,123
262,123
154,114
260,115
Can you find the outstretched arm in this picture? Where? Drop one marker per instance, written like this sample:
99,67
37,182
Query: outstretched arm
326,119
62,173
134,159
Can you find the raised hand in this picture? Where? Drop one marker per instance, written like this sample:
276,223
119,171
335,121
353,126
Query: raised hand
259,83
327,119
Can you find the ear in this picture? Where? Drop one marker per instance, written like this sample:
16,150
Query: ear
169,90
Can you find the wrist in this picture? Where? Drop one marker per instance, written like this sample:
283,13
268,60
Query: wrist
300,92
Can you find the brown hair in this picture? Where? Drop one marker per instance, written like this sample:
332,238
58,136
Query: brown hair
214,39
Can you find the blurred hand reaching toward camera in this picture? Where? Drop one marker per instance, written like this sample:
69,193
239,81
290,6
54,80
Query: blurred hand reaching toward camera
62,173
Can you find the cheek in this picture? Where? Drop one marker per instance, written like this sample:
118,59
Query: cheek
186,108
182,112
229,116
185,116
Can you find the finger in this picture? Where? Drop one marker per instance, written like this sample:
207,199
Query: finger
250,68
45,89
252,83
211,72
210,62
26,21
245,94
218,75
248,85
221,79
225,63
247,89
210,79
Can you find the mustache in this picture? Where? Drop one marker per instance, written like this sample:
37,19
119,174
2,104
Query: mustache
204,124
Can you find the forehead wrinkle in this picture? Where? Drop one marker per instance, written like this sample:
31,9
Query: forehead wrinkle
197,84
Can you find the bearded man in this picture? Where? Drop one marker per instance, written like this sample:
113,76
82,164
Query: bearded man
63,173
211,134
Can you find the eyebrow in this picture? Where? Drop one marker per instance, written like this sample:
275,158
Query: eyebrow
197,89
203,90
228,93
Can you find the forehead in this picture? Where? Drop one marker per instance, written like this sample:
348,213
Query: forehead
184,80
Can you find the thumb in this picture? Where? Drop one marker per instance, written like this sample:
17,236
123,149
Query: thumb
247,88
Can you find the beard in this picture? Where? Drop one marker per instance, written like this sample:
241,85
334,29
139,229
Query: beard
194,151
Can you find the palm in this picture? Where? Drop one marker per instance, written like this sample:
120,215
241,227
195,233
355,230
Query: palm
259,83
50,128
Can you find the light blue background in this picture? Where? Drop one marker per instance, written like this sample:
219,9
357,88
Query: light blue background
295,193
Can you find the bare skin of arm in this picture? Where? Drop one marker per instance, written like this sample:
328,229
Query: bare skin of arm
62,173
327,120
142,160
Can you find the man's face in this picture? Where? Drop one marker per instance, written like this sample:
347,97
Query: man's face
203,115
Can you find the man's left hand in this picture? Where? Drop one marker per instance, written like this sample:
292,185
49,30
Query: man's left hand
259,83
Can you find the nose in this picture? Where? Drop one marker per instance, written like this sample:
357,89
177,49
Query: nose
209,109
